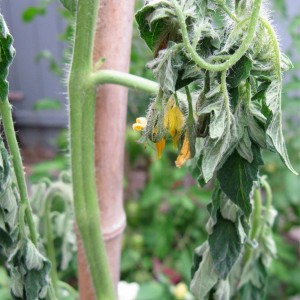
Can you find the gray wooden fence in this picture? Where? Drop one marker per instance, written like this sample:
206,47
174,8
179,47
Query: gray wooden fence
34,79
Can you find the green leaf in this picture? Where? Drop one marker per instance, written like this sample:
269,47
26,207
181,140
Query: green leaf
274,131
70,5
157,24
261,91
29,271
236,178
31,12
215,105
7,53
214,206
205,278
222,290
222,137
239,72
8,205
256,131
165,69
225,246
244,147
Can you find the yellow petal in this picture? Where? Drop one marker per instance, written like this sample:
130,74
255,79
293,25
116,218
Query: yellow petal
160,147
173,120
184,153
140,124
137,127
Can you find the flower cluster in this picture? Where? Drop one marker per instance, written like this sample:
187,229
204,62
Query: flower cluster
163,121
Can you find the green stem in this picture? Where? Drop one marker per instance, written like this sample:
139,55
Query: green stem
234,57
55,191
121,78
51,293
226,99
248,93
256,214
268,206
226,9
100,263
22,210
255,223
268,190
190,104
10,134
219,57
82,108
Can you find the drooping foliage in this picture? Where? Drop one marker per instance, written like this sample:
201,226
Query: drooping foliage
221,66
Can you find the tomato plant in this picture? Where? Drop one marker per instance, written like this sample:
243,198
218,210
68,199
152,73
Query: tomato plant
218,98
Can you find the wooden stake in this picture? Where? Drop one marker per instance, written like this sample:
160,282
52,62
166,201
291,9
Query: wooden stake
112,42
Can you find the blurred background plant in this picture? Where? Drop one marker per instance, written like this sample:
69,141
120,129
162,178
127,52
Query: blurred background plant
166,212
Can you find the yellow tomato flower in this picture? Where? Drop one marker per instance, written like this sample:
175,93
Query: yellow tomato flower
160,147
173,120
140,124
184,154
180,291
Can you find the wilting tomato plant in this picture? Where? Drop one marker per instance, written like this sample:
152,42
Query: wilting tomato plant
218,99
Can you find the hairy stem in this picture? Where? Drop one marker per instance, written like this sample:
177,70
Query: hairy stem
90,193
268,190
12,142
234,57
83,173
190,104
227,10
124,79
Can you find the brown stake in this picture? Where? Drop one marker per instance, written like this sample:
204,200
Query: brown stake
112,42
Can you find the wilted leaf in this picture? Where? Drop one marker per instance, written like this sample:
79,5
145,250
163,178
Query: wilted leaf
237,176
157,24
274,131
165,69
29,271
7,53
225,246
239,72
244,147
205,278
